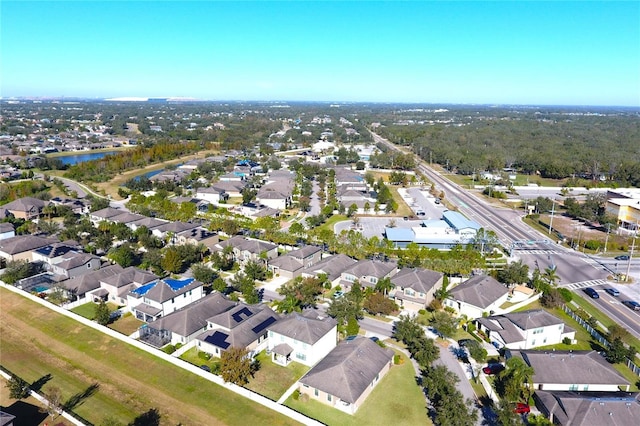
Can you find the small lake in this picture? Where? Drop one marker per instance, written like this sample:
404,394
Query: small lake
81,158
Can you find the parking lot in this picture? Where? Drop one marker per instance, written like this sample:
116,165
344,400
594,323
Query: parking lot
420,201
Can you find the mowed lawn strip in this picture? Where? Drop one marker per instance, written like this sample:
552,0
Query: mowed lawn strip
36,341
396,400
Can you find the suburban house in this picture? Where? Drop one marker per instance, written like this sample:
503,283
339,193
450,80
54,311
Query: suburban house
185,324
27,208
148,222
331,266
212,195
525,330
571,371
348,374
21,247
115,287
291,264
246,249
198,235
367,273
477,295
6,419
589,408
304,337
159,298
170,230
77,206
275,196
415,288
232,189
64,261
6,230
104,215
77,287
243,326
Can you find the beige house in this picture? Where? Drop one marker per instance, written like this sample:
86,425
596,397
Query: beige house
348,374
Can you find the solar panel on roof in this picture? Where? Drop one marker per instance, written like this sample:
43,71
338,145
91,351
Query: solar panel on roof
218,339
237,317
264,324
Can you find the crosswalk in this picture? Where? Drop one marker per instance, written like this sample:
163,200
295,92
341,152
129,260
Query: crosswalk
524,251
584,284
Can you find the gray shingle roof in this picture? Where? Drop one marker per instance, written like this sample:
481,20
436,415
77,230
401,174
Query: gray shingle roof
333,266
303,328
305,251
592,408
348,369
245,244
286,263
240,326
22,243
128,276
91,280
25,204
565,367
193,317
371,268
480,291
418,279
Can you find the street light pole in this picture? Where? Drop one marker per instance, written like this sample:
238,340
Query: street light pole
606,240
553,207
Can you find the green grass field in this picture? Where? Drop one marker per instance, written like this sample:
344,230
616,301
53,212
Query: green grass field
272,380
36,341
396,400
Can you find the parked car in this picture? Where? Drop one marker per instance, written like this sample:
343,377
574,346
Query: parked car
464,342
493,369
632,304
622,257
592,293
338,294
206,368
522,408
612,291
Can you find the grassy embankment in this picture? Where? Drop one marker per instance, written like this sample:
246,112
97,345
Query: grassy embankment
36,341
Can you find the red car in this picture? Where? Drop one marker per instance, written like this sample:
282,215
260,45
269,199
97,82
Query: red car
493,369
522,408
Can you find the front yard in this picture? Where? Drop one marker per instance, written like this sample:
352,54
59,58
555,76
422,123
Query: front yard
396,400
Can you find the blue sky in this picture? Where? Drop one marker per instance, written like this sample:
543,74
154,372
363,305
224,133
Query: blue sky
570,53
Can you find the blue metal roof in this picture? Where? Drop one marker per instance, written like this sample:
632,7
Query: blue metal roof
458,221
175,285
399,234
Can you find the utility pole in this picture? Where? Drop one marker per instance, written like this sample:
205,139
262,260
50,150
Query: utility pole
606,240
553,207
633,246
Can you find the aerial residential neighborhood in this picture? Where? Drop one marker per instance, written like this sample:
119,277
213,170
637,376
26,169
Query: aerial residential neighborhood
320,281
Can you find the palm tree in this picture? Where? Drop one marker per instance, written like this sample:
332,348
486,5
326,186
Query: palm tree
550,275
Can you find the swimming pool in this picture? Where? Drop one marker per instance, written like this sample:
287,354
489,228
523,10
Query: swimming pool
40,288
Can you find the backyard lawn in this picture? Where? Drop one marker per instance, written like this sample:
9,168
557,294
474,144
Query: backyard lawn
272,380
37,342
396,400
126,324
88,310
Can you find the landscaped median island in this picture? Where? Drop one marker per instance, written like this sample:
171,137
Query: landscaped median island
36,341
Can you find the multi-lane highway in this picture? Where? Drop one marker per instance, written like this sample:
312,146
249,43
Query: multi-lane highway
538,250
